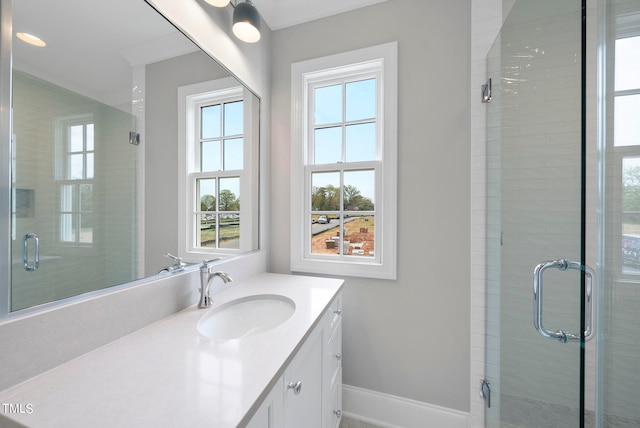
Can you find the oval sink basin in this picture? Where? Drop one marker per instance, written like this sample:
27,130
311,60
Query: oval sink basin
246,316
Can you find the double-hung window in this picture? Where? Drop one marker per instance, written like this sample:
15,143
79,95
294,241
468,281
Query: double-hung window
344,164
625,144
75,176
216,161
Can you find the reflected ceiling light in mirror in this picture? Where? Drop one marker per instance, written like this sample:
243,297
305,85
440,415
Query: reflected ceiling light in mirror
246,22
218,3
31,39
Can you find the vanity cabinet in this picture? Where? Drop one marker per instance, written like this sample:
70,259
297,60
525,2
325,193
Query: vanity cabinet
332,365
303,386
309,393
269,414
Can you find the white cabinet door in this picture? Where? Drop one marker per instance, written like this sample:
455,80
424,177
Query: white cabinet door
332,373
303,386
333,413
269,415
332,368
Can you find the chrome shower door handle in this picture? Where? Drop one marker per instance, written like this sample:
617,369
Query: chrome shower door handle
36,252
562,335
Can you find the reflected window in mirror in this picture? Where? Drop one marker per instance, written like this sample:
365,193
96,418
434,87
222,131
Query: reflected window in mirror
75,173
217,147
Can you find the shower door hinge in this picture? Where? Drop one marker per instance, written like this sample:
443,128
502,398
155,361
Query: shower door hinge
134,138
485,392
486,92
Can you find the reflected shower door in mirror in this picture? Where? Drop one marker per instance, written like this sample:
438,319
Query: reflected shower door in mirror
72,213
96,185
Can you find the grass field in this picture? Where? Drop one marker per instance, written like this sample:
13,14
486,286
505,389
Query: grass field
228,232
631,228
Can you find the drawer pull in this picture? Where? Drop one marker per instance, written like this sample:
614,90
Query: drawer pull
338,312
296,387
338,413
338,356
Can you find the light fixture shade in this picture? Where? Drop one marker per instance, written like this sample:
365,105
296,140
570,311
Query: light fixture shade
218,3
246,22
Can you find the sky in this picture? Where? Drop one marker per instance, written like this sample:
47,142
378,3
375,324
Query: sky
627,77
345,131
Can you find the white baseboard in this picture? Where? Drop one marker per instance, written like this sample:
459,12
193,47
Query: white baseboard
390,411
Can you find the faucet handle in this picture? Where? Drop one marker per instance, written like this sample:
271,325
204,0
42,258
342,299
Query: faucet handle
205,263
178,260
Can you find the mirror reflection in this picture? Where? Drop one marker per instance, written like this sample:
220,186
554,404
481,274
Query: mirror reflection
133,152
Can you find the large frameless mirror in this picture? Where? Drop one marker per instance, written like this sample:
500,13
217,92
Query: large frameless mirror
129,145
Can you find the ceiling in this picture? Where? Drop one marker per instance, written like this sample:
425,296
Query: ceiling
93,45
285,13
118,34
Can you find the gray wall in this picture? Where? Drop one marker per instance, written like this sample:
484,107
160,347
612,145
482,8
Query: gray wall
161,151
410,337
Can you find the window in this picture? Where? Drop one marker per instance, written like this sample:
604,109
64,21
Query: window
219,146
626,144
216,160
344,164
627,92
75,174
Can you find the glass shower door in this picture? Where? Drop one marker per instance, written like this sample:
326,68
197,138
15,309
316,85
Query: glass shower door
536,180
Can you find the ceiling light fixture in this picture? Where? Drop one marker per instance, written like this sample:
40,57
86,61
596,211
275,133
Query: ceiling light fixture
31,39
246,22
246,19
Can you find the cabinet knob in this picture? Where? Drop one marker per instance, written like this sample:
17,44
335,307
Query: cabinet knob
338,413
297,387
338,312
338,356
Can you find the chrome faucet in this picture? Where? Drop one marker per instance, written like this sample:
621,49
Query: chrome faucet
179,265
206,276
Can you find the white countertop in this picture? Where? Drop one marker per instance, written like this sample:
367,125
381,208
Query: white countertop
168,375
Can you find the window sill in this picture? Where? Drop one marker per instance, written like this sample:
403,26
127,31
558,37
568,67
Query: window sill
344,268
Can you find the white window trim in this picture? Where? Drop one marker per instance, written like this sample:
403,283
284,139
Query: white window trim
188,160
302,74
62,126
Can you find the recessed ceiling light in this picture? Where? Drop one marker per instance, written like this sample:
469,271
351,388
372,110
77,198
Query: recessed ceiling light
31,39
